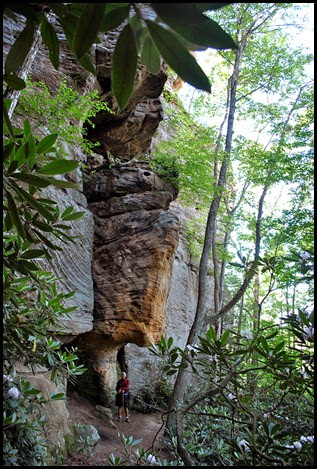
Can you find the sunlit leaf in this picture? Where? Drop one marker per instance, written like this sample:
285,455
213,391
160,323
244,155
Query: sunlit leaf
124,66
150,56
88,27
114,18
191,24
59,166
50,39
20,49
46,143
14,82
177,57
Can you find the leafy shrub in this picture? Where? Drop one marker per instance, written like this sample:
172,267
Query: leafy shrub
62,112
165,166
244,417
32,305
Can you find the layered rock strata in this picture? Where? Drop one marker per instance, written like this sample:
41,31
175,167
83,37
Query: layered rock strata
135,239
144,370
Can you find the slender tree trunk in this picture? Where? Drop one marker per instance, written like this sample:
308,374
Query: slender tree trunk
216,279
240,318
227,237
256,322
182,376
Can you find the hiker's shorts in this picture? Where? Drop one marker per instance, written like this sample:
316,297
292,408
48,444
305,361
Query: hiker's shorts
122,401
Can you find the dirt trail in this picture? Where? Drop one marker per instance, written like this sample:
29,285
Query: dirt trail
143,426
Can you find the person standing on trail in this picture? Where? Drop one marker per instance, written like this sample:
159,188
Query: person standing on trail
122,397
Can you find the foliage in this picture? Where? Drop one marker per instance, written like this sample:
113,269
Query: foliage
133,455
155,396
33,228
187,158
260,412
61,111
83,22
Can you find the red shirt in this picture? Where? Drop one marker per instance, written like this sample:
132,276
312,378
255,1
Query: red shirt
123,384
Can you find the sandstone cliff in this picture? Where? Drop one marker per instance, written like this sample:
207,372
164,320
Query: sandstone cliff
134,279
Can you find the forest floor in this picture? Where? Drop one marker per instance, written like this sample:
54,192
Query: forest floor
143,426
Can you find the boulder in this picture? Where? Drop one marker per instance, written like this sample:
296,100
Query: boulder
88,432
104,413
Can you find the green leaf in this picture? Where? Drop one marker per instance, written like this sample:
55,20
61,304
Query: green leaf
224,338
36,205
124,64
177,57
150,56
20,49
33,254
59,166
14,214
278,347
66,212
31,179
139,30
31,151
69,25
57,395
21,154
43,226
63,184
114,6
27,128
14,82
8,222
88,27
303,318
47,241
23,9
76,9
86,62
8,149
191,24
7,120
50,39
73,216
114,18
137,442
59,9
264,343
211,335
46,143
170,342
32,391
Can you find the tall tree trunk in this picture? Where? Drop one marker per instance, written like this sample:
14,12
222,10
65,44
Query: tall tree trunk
240,318
256,321
227,238
182,376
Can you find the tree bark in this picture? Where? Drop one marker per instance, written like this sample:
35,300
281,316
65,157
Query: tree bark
182,376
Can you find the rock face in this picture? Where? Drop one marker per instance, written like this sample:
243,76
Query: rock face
142,367
130,290
134,244
58,429
135,240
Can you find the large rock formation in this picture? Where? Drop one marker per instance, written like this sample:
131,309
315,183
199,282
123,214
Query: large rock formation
134,245
142,366
129,236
